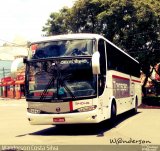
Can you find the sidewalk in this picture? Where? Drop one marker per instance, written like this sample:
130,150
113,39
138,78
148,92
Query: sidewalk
12,102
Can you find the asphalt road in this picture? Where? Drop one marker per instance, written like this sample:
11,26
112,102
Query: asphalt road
142,128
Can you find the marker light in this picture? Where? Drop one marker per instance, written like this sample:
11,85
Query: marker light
33,111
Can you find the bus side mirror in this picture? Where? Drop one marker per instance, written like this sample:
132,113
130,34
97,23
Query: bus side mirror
25,60
96,63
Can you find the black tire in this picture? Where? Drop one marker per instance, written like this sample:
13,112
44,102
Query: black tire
136,106
113,114
135,110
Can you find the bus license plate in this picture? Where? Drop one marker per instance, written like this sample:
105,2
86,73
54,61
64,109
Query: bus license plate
60,119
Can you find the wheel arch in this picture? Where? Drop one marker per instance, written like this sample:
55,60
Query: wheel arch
111,101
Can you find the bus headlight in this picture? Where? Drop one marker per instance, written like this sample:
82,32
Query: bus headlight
33,111
87,108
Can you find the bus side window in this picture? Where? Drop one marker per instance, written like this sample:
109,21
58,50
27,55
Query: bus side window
111,57
102,80
118,61
101,49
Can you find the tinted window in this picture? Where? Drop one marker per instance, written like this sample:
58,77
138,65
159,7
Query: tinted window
102,78
120,62
101,49
62,48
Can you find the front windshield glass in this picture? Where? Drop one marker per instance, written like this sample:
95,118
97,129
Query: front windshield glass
81,47
60,79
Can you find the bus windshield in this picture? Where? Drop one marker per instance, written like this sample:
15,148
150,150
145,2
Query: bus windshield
60,79
50,49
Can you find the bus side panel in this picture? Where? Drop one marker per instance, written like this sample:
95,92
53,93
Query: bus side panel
124,89
137,89
109,95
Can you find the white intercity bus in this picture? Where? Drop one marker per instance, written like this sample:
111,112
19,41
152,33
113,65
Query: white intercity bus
79,78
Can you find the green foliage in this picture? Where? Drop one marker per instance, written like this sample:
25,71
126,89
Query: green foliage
57,23
133,25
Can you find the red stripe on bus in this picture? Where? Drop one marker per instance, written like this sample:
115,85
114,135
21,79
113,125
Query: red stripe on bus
118,77
71,105
136,81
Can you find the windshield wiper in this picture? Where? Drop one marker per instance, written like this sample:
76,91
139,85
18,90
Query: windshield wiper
51,81
69,91
66,87
60,82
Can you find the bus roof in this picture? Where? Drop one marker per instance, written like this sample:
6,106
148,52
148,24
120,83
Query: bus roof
68,36
79,36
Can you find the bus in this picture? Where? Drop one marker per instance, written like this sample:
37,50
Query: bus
79,78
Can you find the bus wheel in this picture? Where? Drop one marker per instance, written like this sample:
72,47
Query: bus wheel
135,109
113,114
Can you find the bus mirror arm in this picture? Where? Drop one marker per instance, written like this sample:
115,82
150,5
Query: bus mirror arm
96,63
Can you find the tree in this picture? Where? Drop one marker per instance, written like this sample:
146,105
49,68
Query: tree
57,23
83,15
133,25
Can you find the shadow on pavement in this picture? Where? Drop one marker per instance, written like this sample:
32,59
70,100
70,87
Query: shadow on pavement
84,129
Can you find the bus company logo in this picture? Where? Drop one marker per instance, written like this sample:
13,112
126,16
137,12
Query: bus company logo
58,109
75,61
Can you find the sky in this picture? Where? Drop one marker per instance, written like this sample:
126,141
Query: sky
26,18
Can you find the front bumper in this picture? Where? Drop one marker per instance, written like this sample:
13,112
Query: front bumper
70,118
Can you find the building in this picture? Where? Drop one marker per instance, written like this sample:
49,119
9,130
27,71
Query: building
12,69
